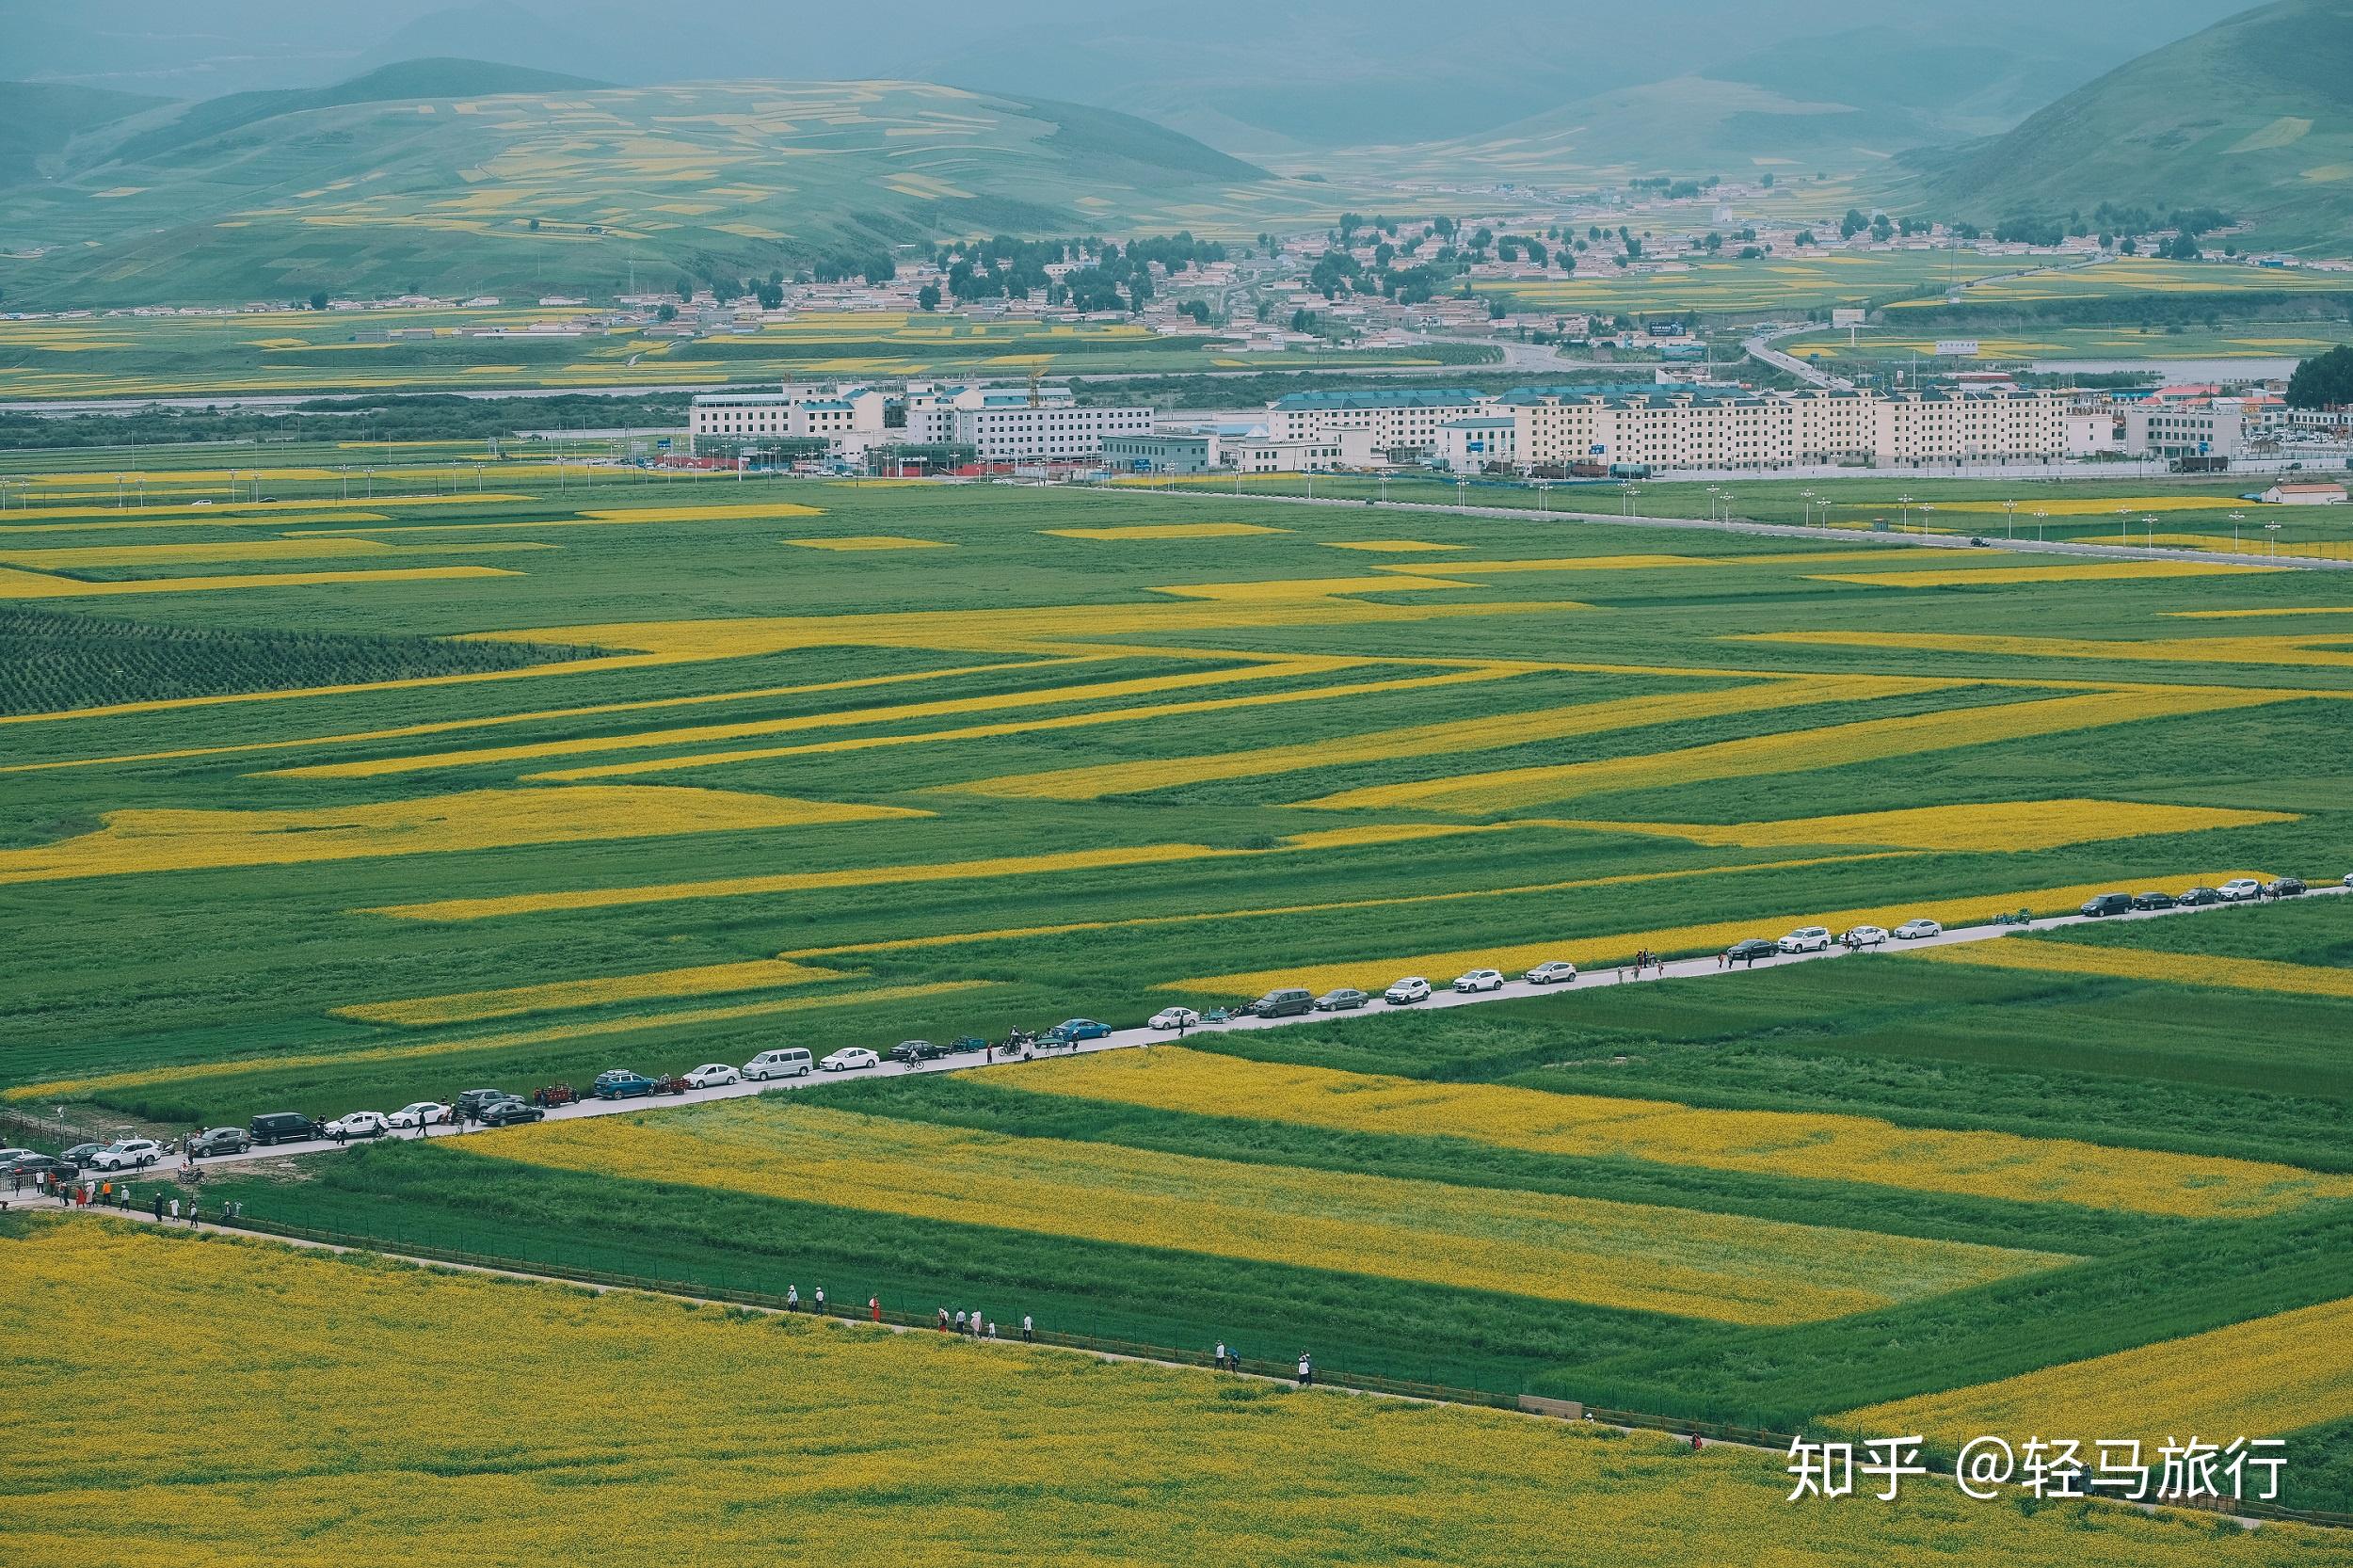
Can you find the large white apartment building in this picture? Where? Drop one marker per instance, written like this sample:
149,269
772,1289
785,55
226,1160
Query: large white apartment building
793,412
1697,428
2213,429
1403,418
1024,435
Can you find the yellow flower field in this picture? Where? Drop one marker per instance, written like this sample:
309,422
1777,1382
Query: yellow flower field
1793,751
1770,1143
2096,572
1390,547
148,840
1996,827
896,713
700,979
2265,1377
869,542
788,1440
26,584
74,558
489,1046
1446,737
2265,975
2312,650
1166,531
1710,936
1686,1263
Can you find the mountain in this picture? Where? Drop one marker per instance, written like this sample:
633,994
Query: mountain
2253,116
460,176
39,118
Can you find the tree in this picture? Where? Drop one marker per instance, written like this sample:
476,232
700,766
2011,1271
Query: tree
318,299
927,297
668,313
1768,182
1805,237
686,291
1714,242
1882,229
533,226
2324,381
770,294
1852,224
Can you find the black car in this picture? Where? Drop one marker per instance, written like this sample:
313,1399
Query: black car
2286,887
2199,898
914,1051
2153,901
80,1154
1751,951
2108,904
506,1113
219,1139
472,1101
282,1126
32,1167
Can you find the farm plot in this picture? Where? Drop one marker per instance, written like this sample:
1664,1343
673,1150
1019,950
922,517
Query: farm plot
1244,1472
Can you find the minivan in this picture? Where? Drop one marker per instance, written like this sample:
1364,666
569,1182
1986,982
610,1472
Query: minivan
282,1126
779,1063
2109,904
1277,1004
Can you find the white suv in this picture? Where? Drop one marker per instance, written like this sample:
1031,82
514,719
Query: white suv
1412,988
2240,889
129,1155
1806,938
1479,979
359,1124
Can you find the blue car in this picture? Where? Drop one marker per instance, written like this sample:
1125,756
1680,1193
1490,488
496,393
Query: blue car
1071,1031
622,1084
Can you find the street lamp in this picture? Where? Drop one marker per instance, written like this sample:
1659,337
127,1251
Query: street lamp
2009,520
1544,496
1905,501
2039,517
2273,529
2236,518
2149,526
1807,496
2123,525
1926,508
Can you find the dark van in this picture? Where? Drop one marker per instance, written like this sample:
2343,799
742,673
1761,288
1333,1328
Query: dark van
2109,904
282,1126
1278,1004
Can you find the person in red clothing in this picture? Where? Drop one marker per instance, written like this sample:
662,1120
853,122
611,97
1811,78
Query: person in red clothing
873,1307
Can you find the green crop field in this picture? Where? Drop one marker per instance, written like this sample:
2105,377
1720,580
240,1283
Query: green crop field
1795,284
332,352
2251,340
332,800
2129,275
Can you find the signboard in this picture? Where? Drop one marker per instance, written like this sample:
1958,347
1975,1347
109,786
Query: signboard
1956,348
1844,317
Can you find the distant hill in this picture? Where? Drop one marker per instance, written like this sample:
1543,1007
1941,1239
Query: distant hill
2253,116
38,119
468,177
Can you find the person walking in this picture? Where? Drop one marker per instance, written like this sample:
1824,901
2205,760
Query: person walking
1306,1371
791,1298
873,1307
175,1211
992,1328
1029,1330
159,1205
959,1320
943,1320
1219,1360
821,1297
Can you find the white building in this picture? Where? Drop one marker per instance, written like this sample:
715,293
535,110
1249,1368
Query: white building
794,412
1023,434
1401,419
1258,454
2093,432
2216,428
1478,443
2321,493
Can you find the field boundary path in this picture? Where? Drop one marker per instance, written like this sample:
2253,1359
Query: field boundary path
1890,540
1140,1037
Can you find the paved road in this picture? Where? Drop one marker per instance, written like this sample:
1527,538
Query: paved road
1134,1038
1892,540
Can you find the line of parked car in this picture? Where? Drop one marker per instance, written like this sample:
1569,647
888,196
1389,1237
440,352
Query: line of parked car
504,1108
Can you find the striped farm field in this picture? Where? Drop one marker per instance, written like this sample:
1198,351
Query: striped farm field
2265,1377
1242,1471
1991,1165
1979,577
1622,1255
665,789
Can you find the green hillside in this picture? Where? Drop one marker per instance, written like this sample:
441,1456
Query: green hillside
2249,116
39,118
461,177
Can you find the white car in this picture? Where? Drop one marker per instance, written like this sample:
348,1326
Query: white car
2240,889
359,1124
1911,931
1806,938
422,1114
850,1061
1479,979
1412,988
1558,972
1175,1018
2348,879
1864,937
713,1075
131,1154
